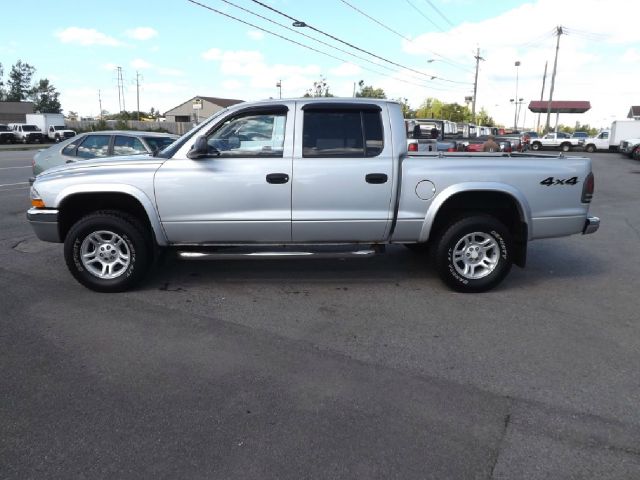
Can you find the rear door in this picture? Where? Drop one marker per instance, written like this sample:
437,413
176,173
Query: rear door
342,173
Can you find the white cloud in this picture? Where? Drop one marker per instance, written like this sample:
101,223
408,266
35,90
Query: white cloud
255,34
260,76
631,55
139,64
86,37
142,33
232,84
109,66
346,70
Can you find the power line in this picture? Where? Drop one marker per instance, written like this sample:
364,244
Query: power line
423,15
404,37
307,46
299,23
439,12
298,32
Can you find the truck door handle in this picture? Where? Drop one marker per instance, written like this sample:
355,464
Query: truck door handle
277,178
376,178
70,161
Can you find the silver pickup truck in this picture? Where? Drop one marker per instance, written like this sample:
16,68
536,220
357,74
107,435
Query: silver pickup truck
308,177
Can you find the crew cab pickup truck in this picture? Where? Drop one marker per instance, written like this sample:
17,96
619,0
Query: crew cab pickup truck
308,177
557,141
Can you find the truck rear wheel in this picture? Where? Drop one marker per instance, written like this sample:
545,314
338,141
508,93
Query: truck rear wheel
108,251
565,147
473,254
536,146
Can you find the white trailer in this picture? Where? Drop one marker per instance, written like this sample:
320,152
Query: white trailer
52,126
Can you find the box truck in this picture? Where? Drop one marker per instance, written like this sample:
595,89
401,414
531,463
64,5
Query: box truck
52,126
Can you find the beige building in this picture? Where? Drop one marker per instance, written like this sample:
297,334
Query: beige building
186,112
15,112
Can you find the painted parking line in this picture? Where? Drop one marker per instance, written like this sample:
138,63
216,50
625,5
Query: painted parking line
13,184
10,168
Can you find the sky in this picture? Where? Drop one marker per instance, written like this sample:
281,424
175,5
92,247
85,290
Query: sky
180,50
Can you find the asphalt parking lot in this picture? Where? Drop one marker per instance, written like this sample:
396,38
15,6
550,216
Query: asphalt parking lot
362,368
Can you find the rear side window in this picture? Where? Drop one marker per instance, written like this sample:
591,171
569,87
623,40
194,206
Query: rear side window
123,145
342,133
94,146
70,149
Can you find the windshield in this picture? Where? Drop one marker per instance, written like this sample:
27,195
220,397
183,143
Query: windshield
159,143
4,128
30,128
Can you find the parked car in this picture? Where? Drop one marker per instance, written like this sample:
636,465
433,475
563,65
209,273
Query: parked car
599,142
101,145
555,141
6,134
477,145
300,177
623,130
583,135
27,133
629,146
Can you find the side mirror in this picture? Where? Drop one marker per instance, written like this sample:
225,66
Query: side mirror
201,149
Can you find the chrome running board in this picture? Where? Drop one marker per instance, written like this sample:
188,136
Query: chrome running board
246,253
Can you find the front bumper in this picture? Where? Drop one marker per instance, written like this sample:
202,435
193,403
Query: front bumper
44,222
591,225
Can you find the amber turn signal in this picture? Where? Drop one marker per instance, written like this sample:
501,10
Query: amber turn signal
37,203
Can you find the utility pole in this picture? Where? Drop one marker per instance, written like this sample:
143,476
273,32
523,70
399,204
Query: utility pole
559,33
118,80
100,103
544,79
138,94
515,113
475,84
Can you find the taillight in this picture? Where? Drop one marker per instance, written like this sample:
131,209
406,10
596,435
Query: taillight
451,149
507,149
588,188
413,147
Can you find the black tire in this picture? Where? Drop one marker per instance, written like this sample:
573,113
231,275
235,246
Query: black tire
536,146
123,237
590,148
448,247
565,147
634,152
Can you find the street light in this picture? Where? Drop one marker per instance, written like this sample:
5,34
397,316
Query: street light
515,113
279,86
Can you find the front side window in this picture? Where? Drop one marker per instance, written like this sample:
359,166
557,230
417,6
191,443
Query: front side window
123,145
250,135
94,146
342,133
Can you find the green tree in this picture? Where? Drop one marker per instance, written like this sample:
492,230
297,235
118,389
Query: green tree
2,92
320,89
19,81
407,112
430,108
45,97
483,118
369,92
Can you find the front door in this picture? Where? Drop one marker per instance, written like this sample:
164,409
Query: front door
243,195
342,174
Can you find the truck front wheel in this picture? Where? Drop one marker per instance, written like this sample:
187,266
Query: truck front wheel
108,251
473,254
590,148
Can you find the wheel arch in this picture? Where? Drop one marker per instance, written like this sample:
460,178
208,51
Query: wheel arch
502,201
78,201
